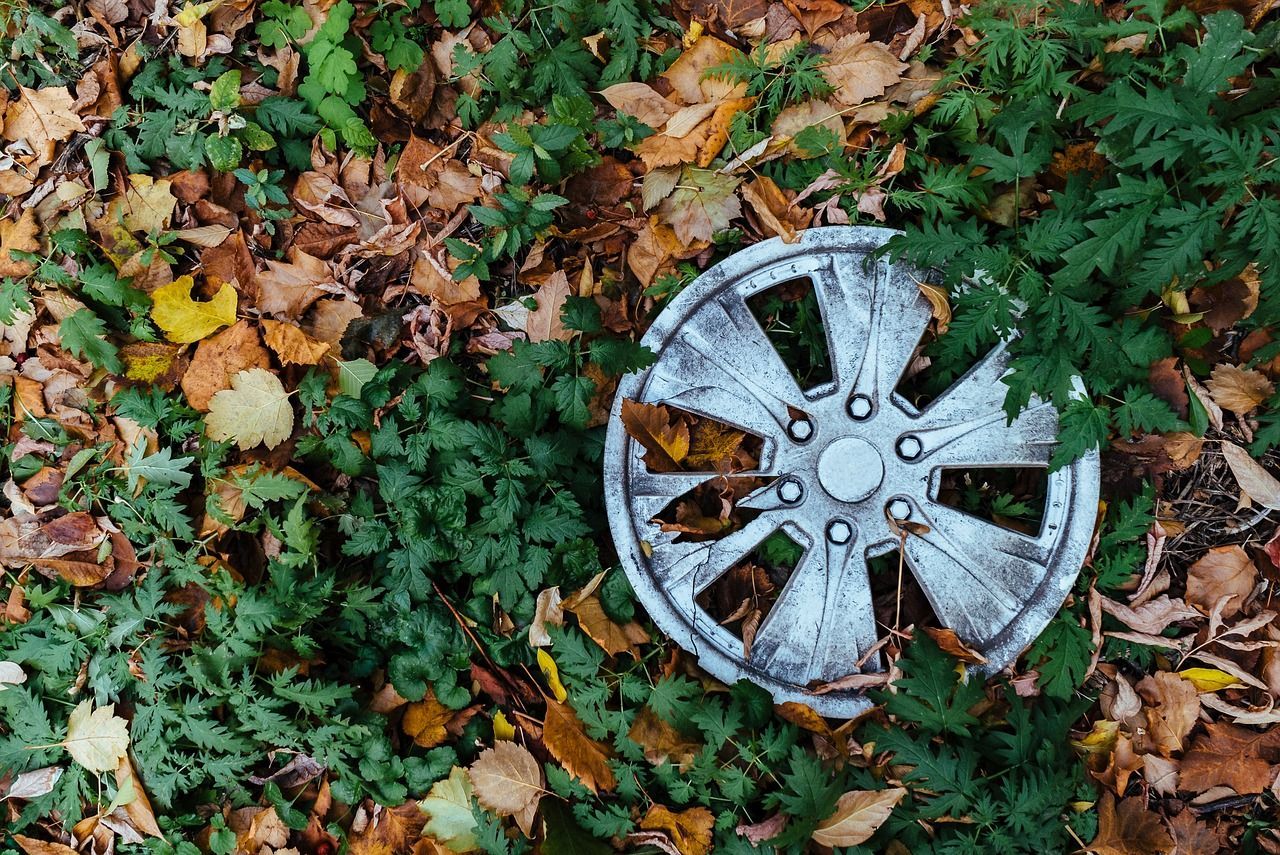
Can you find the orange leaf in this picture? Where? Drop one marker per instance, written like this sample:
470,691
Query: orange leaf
690,830
650,425
581,756
425,721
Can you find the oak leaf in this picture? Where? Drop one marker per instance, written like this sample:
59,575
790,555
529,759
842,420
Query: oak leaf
860,69
1129,829
1239,390
1235,756
292,345
581,756
96,738
689,830
183,319
254,410
41,116
857,816
1222,571
665,444
507,780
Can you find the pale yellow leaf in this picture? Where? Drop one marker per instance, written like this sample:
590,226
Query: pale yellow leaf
254,410
96,739
448,806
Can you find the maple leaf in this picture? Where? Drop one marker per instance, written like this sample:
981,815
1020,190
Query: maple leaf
425,721
1129,829
857,816
184,320
1231,755
581,756
690,830
292,345
507,780
1239,390
254,410
650,425
702,204
42,116
96,738
860,69
219,358
448,808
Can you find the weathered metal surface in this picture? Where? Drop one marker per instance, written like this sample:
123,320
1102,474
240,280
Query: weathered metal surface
862,453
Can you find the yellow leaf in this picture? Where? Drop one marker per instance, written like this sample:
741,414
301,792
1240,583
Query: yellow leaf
292,345
552,673
424,720
147,206
96,739
254,410
857,816
502,727
690,830
1209,679
183,319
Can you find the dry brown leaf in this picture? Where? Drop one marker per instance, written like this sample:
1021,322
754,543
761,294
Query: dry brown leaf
507,780
641,101
22,235
1259,484
687,75
286,289
661,741
425,721
950,643
615,638
32,846
1222,571
41,116
860,69
774,210
292,345
1129,829
1191,836
702,204
138,809
389,831
689,830
581,756
544,323
1235,756
1239,390
857,816
219,358
1151,617
665,444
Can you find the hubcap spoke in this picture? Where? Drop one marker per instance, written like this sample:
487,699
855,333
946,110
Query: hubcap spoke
976,574
823,622
686,569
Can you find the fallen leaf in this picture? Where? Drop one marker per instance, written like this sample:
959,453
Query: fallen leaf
389,831
32,846
11,674
507,780
547,612
1222,571
950,643
1239,390
581,756
41,116
641,101
1259,484
773,209
448,809
219,358
551,672
688,75
613,637
860,69
689,830
138,809
254,410
147,206
1227,754
1129,829
425,721
96,738
1192,837
544,323
857,816
33,784
21,235
665,444
1208,679
185,320
292,345
702,204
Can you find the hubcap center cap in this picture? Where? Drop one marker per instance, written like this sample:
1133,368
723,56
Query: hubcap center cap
850,469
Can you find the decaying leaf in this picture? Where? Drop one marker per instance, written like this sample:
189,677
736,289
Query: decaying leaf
448,809
1257,483
689,830
507,780
1239,390
1222,571
665,444
97,739
1129,829
581,756
857,816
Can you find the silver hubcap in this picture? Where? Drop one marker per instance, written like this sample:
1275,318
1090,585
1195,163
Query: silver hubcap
860,455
